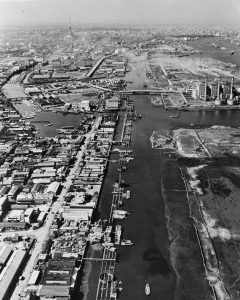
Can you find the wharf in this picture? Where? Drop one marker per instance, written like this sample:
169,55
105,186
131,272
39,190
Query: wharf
94,259
106,278
127,131
117,199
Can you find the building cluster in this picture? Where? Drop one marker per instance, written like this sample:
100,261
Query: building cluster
32,176
58,265
218,90
9,68
32,173
115,66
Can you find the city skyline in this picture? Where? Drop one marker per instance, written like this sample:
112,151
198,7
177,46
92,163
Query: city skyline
153,12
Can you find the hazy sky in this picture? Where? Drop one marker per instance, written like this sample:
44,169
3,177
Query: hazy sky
120,11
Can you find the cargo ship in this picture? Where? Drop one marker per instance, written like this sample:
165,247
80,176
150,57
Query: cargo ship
126,243
68,127
120,214
118,233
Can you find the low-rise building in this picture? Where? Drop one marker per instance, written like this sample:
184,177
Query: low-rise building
112,103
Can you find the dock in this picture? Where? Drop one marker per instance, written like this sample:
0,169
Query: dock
106,278
117,199
127,130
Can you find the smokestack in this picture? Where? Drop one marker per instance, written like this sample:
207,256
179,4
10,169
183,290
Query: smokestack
231,88
218,93
205,96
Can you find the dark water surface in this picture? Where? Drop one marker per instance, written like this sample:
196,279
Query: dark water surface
156,217
204,45
58,120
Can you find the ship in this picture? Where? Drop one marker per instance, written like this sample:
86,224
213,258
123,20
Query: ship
119,214
118,233
128,194
147,289
68,127
126,243
120,286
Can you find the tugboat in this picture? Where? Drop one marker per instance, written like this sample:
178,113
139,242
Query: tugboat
118,233
120,286
147,289
128,194
126,243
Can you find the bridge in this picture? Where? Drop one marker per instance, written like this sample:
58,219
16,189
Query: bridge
143,92
95,67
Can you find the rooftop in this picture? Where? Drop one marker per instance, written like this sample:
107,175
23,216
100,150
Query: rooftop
12,91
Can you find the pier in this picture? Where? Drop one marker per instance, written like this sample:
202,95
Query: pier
127,131
106,278
94,259
117,199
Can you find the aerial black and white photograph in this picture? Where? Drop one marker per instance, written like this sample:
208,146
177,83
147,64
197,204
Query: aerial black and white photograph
119,149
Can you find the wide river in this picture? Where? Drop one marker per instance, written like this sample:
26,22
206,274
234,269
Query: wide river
165,252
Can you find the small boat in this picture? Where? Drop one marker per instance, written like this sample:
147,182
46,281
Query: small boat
147,289
118,233
120,286
68,127
126,243
128,194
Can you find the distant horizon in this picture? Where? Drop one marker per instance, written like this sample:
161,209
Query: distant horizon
206,26
150,12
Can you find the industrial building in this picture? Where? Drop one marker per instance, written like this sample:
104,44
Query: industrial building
11,262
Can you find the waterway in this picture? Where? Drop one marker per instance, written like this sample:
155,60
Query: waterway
166,252
205,46
58,120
